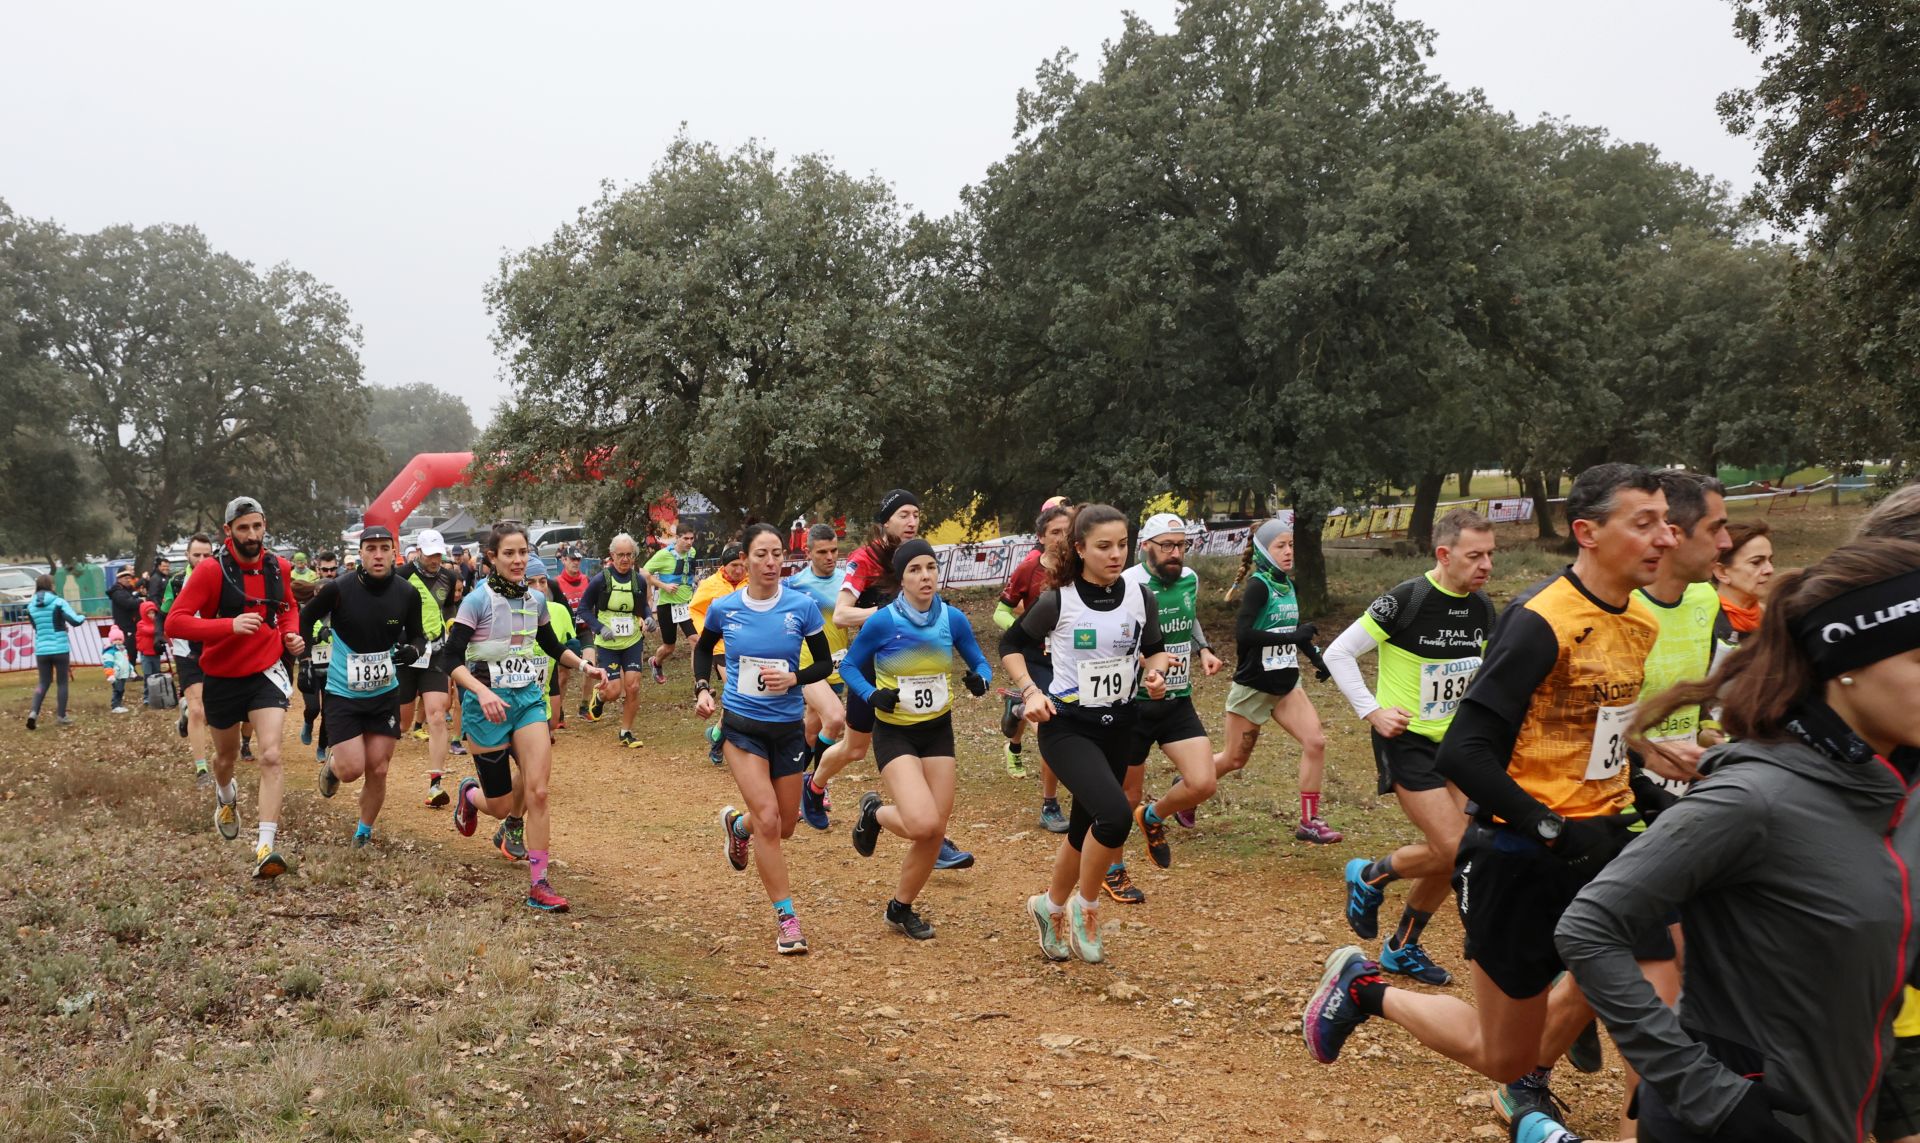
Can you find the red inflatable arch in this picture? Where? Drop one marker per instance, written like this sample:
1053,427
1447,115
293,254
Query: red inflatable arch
427,472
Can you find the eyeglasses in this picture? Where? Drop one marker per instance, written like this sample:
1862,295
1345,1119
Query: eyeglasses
1176,546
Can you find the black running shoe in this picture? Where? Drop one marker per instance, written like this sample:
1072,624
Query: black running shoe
1584,1055
866,831
905,920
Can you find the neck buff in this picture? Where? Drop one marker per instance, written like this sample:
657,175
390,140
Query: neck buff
1862,627
1263,539
504,589
1744,619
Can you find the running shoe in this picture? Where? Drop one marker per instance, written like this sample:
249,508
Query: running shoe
596,708
714,754
511,839
1317,832
64,720
1083,930
1016,763
1331,1014
306,733
362,840
1051,942
1538,1127
583,710
1584,1054
813,807
659,673
226,817
1155,833
1013,714
1412,960
119,710
791,941
904,920
420,732
1121,888
180,724
457,750
628,740
267,863
1363,901
328,783
542,897
1514,1102
1051,819
1185,818
866,830
246,749
320,754
826,799
437,796
736,847
952,856
33,721
465,817
203,779
560,723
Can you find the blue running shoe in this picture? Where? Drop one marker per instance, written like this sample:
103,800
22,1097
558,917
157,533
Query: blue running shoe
1331,1015
1539,1127
813,807
1413,961
952,856
306,733
713,746
1363,902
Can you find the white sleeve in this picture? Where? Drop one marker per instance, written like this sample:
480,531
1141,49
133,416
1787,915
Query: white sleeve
1343,662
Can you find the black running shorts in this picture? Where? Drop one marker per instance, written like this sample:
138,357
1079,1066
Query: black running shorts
494,768
187,671
228,702
670,631
782,744
1409,761
417,681
1161,722
349,718
1511,892
859,714
930,739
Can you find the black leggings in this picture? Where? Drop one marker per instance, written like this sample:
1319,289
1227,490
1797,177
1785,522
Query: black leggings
1091,762
52,667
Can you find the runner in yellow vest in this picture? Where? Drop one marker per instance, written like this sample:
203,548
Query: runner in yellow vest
617,610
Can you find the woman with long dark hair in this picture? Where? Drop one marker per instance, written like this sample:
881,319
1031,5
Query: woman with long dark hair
1791,868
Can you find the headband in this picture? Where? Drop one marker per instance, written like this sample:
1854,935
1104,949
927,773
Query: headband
907,551
1863,626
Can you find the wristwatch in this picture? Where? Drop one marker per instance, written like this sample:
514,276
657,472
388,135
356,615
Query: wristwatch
1547,828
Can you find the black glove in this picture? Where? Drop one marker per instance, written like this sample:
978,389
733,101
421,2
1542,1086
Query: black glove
1650,798
406,655
1312,653
1303,634
976,686
1587,844
1752,1119
306,674
885,698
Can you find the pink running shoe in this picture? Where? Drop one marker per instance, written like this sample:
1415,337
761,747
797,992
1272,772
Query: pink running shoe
791,941
1318,832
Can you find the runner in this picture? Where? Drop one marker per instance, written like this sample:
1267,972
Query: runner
1266,684
492,653
1538,744
1024,586
1096,627
899,665
1170,722
1792,862
52,648
560,617
1742,576
424,682
570,587
615,610
1431,632
826,715
192,723
239,607
669,572
314,659
725,580
765,742
374,623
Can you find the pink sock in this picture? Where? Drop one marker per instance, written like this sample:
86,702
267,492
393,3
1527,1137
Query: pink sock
1309,805
475,799
536,865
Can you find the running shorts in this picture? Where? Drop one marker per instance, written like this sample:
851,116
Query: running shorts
417,681
1898,1112
617,662
494,768
1511,893
1408,761
670,631
188,671
1252,703
526,706
859,714
1161,722
348,718
228,701
930,739
782,744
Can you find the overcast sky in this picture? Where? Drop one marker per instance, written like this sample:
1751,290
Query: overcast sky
397,150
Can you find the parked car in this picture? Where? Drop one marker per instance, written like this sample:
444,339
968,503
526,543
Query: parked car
548,539
16,590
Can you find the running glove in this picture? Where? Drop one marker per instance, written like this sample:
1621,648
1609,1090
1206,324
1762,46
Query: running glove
1587,844
1650,798
1303,634
406,655
306,674
1752,1119
976,686
885,698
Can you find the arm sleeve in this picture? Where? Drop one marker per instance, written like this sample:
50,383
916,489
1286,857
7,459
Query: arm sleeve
966,644
320,606
453,652
585,612
822,664
1343,662
1152,642
1030,634
703,654
1709,840
1003,616
1246,622
550,644
856,669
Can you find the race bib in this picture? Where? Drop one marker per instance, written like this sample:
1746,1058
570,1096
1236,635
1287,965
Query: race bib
620,626
277,675
1443,685
369,672
179,649
838,657
679,612
1279,658
322,654
1609,753
1179,670
922,694
518,671
1105,681
749,682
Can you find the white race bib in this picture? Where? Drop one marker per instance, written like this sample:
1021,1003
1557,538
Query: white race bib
922,694
179,648
1279,658
518,671
679,612
277,675
322,654
1105,681
369,672
1442,685
1179,670
838,657
1671,785
1609,753
749,682
432,648
620,626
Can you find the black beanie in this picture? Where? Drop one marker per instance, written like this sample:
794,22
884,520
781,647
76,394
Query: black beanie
905,555
892,502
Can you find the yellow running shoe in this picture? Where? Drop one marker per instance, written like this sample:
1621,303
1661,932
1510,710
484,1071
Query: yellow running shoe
268,863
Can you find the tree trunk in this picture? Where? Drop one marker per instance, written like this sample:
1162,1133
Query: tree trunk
1309,562
1426,498
1466,483
1535,484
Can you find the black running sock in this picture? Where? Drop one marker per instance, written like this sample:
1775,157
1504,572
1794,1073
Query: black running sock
1412,923
1379,872
1540,1077
1369,994
1049,803
1013,748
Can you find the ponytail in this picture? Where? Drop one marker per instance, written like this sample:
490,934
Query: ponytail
1246,569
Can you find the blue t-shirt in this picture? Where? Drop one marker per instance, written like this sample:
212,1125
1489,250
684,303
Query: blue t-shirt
769,630
825,589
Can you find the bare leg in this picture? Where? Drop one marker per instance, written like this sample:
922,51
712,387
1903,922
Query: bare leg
922,793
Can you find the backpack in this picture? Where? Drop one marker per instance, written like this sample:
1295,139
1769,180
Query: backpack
160,692
234,601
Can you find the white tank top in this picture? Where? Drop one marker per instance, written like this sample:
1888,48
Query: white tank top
1096,654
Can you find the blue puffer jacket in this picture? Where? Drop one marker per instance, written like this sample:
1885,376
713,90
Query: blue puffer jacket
51,617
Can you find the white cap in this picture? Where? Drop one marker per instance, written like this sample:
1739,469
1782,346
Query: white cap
431,543
1160,524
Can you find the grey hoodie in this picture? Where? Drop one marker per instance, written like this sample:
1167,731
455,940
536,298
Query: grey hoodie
1791,873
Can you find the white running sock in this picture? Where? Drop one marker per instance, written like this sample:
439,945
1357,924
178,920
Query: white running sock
1055,907
1088,904
231,794
267,832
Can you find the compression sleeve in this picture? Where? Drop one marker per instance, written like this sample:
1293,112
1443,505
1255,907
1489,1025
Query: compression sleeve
822,664
319,607
453,652
856,669
1030,634
1003,616
703,655
1473,757
1246,623
966,644
550,643
1343,662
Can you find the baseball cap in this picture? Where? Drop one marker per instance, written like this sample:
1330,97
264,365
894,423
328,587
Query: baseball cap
1160,524
1056,502
125,571
376,532
431,543
242,506
536,568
